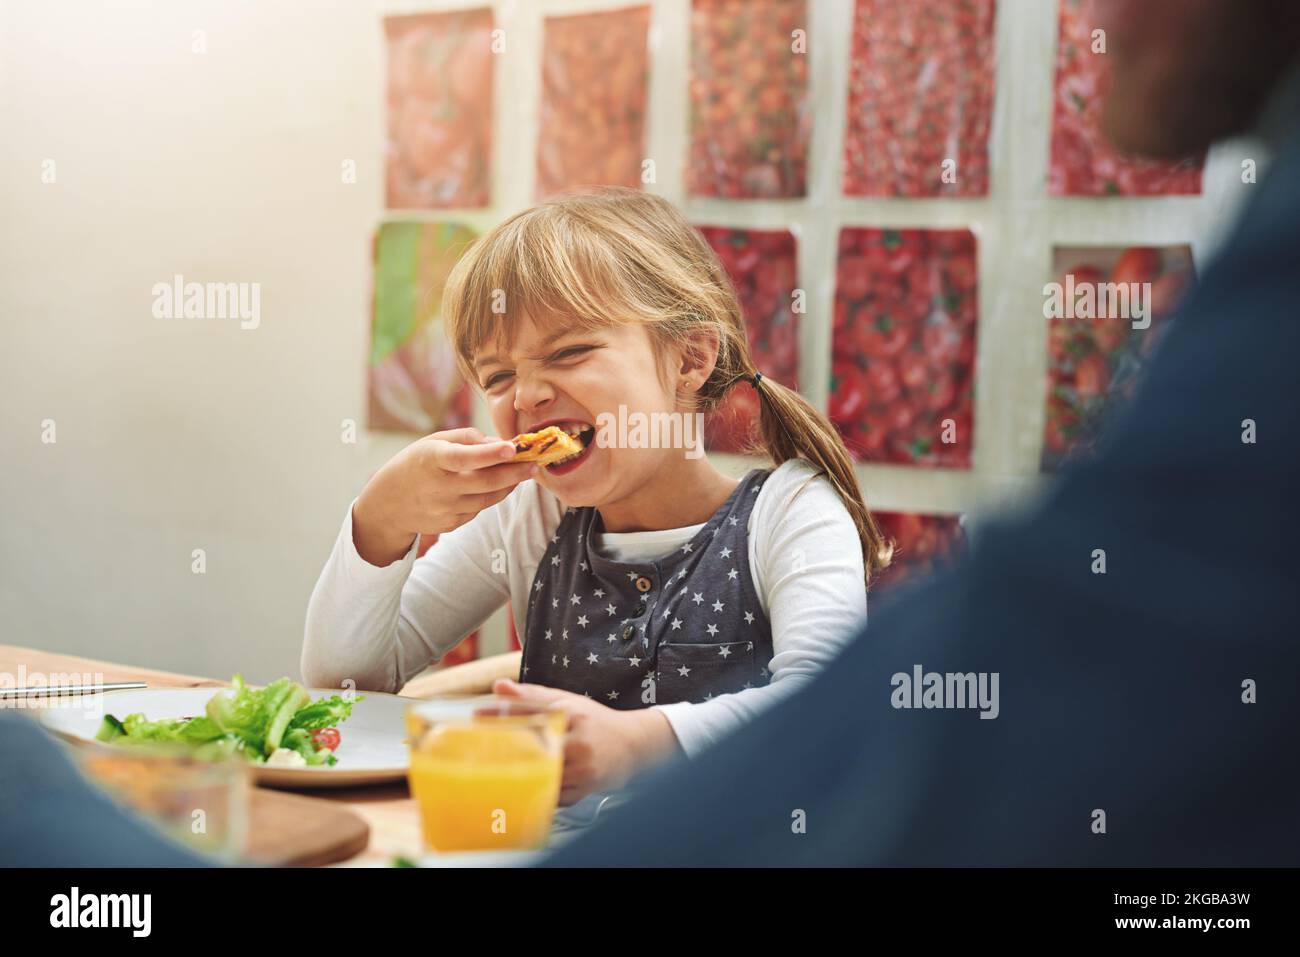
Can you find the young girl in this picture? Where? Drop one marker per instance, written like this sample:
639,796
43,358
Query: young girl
659,601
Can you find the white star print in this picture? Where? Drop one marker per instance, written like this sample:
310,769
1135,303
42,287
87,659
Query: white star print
725,553
747,686
555,539
547,636
582,620
555,603
667,612
634,661
612,696
682,574
724,651
718,606
631,576
575,600
537,586
599,593
712,629
749,617
677,624
612,637
687,548
698,598
683,671
749,646
552,659
582,565
731,575
566,661
612,610
591,658
555,559
733,520
565,634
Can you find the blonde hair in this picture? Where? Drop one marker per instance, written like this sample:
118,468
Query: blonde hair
612,255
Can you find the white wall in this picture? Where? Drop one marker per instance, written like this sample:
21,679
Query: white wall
225,166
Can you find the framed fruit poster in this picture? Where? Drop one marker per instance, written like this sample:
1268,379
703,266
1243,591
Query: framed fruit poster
920,103
922,543
595,76
1083,162
903,345
414,385
763,267
439,147
750,118
1119,302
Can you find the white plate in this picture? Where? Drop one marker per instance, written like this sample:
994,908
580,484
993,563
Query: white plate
372,748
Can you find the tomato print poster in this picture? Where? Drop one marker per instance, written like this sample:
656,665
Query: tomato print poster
414,385
922,543
1098,347
920,98
1083,162
903,345
750,115
763,267
595,76
439,109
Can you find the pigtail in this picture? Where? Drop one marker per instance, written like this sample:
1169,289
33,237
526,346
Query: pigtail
789,427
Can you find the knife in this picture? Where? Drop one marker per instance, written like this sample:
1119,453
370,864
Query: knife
47,691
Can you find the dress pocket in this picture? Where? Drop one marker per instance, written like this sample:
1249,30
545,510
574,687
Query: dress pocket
698,672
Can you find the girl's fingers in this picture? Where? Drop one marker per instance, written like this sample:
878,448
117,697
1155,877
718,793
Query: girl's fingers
473,504
466,436
457,457
493,477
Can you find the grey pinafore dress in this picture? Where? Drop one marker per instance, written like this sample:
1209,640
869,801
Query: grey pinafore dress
685,627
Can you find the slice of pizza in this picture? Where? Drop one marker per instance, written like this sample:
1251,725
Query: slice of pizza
547,446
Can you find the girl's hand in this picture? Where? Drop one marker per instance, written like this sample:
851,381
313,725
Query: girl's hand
435,484
603,747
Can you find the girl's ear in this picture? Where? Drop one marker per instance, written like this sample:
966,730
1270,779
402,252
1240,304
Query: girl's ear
697,357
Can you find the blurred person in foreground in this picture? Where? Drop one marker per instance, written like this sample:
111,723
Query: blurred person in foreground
1147,715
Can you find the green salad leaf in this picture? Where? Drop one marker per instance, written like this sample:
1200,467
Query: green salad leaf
251,723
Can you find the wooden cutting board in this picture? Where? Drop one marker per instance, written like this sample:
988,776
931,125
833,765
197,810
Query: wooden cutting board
292,830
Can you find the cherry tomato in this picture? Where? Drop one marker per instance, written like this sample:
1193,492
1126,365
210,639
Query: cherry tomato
325,739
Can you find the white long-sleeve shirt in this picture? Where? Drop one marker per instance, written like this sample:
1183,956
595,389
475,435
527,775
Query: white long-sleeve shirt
381,626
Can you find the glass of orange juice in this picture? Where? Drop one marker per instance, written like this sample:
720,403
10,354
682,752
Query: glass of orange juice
485,772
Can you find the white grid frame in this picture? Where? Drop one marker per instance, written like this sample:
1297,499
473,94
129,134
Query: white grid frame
1016,225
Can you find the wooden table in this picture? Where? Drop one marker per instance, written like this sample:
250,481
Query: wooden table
388,809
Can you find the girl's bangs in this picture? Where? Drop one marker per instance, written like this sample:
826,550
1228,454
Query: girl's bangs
532,267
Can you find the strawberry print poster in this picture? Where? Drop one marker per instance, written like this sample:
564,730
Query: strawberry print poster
1083,163
1121,301
903,345
762,265
595,79
439,109
920,98
750,117
414,385
922,543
